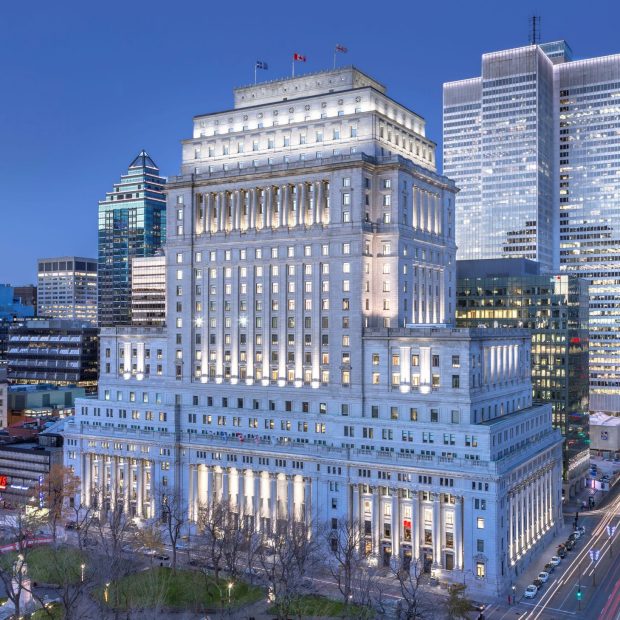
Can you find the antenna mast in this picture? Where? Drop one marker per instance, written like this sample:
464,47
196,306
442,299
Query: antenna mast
535,29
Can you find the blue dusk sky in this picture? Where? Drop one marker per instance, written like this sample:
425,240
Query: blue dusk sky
89,84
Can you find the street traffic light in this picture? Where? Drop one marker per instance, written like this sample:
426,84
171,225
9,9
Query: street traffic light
579,594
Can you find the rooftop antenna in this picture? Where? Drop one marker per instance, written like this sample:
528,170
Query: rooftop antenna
535,29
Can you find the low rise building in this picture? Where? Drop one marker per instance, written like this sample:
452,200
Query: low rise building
10,306
605,434
42,400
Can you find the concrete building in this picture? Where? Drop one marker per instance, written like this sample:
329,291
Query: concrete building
148,290
532,146
605,434
513,293
309,367
67,288
54,351
132,222
27,295
41,401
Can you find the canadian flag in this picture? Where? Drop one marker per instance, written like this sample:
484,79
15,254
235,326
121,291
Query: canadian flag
299,57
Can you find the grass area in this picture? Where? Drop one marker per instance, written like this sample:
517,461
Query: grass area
315,605
54,565
54,613
182,589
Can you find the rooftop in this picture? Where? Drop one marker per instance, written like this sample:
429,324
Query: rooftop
602,419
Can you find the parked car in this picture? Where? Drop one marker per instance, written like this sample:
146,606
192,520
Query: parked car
555,560
569,544
530,591
538,583
71,525
576,534
582,530
549,568
543,576
562,553
162,557
477,606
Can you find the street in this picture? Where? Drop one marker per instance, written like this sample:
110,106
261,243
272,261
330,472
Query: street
598,582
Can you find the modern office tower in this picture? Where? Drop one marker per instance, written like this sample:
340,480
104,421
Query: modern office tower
532,144
309,367
513,293
55,351
132,222
67,288
148,290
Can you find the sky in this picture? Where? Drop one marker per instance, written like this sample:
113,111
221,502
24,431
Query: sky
87,85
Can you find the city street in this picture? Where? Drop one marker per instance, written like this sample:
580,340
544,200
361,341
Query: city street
598,582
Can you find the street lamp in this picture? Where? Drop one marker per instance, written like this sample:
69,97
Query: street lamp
82,567
514,594
230,587
106,592
594,555
611,530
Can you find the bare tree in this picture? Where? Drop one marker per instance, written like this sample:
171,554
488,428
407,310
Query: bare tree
413,604
174,516
212,523
59,486
287,557
149,538
251,545
82,517
344,550
457,605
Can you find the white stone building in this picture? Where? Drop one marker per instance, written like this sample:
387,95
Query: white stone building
309,367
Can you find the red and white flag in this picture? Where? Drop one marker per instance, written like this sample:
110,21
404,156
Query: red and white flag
299,57
342,49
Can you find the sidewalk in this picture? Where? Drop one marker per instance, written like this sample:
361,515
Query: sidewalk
538,561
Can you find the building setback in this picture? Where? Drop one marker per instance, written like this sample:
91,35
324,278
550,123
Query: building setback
532,145
132,222
309,367
513,293
67,288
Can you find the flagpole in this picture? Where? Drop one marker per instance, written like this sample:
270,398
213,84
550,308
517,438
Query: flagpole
335,58
255,73
293,68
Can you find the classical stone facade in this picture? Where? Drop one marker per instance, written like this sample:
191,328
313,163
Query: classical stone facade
309,367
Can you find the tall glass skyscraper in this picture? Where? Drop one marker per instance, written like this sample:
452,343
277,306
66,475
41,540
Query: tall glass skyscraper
132,222
534,146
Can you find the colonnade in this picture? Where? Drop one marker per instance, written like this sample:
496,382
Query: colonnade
110,480
268,497
530,510
427,211
411,518
274,206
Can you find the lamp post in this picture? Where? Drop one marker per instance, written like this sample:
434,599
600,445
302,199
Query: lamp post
230,587
611,530
106,592
594,556
514,594
82,567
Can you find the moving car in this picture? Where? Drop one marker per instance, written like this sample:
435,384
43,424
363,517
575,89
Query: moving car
530,591
555,560
543,576
477,606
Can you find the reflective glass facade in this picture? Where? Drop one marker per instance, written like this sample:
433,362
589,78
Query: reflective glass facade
555,308
132,222
536,140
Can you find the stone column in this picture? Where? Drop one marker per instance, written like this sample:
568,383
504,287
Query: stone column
355,503
113,482
396,523
458,533
415,526
436,530
273,500
320,203
511,520
308,500
256,502
300,205
139,487
376,522
225,486
127,487
241,492
286,199
290,498
268,209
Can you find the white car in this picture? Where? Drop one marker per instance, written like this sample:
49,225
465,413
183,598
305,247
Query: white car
530,591
543,576
577,534
555,560
582,530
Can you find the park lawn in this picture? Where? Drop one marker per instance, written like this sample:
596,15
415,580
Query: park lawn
180,589
316,605
53,565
